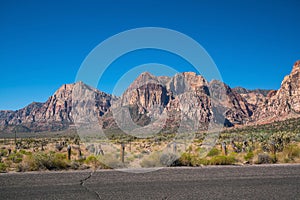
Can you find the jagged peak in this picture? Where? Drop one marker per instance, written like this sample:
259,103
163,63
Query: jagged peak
189,74
297,63
146,74
215,81
295,71
296,66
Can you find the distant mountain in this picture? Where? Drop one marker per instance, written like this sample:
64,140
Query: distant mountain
186,100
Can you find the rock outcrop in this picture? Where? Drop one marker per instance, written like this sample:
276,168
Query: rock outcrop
186,100
55,114
255,97
283,103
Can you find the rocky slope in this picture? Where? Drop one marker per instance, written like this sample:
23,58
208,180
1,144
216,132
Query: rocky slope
283,103
55,114
186,101
255,97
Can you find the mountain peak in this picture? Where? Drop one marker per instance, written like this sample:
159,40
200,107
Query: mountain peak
296,67
145,76
189,74
151,96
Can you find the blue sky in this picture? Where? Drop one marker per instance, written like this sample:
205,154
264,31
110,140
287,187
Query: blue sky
43,43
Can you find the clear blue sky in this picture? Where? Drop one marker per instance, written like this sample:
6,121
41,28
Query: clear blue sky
43,43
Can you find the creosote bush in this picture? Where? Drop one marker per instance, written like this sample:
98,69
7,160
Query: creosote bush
3,167
222,160
249,156
292,151
44,161
213,152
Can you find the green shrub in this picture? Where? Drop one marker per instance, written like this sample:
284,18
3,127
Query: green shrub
3,152
107,161
92,159
222,160
188,159
3,167
249,156
15,157
22,151
185,159
292,151
213,152
42,161
197,161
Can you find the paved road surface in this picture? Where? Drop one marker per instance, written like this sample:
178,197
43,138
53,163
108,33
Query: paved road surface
233,182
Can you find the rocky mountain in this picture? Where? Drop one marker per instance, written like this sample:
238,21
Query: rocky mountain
186,101
56,113
255,97
283,103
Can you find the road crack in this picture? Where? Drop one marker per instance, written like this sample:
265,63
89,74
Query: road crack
82,183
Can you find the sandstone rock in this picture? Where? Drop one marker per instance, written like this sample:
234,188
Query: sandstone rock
284,103
185,101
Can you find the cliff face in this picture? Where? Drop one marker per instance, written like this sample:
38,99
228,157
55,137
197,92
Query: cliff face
54,114
255,97
284,103
186,99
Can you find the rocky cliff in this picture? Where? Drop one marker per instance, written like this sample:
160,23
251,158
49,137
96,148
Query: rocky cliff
255,97
185,100
283,103
55,114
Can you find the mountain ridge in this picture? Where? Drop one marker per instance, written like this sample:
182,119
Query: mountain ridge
185,96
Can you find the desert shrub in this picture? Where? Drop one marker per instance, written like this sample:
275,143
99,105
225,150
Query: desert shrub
109,161
3,167
249,156
222,160
185,159
188,159
197,161
213,152
104,162
92,159
3,152
264,158
22,151
42,161
15,157
151,161
291,151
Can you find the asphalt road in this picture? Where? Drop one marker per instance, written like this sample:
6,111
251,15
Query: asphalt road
232,182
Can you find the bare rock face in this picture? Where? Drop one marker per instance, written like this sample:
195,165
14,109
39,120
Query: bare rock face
255,97
236,109
186,101
147,93
284,103
55,114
